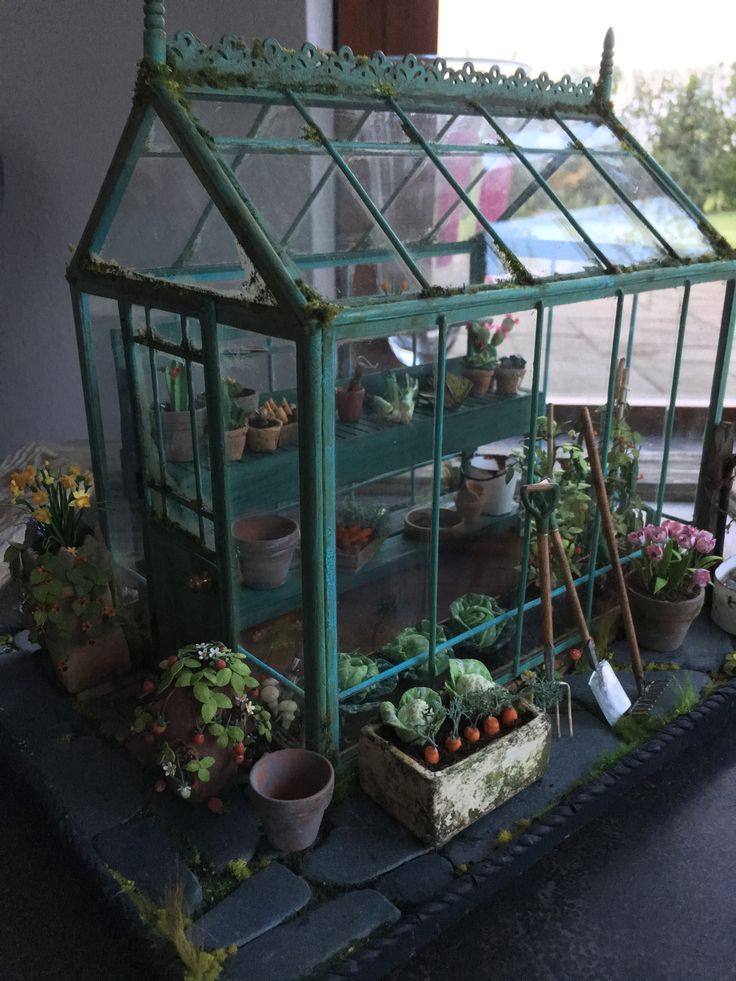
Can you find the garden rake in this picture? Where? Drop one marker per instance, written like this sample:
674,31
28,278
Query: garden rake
540,500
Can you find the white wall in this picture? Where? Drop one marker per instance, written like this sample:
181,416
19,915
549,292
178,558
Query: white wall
66,78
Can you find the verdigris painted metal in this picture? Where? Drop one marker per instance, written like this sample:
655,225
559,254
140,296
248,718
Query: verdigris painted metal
437,805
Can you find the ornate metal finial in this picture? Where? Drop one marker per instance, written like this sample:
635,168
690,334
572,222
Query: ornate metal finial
605,79
154,31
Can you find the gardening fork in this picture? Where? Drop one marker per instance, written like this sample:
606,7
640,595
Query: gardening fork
540,501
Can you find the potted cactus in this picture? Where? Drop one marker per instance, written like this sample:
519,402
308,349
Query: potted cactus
233,417
509,373
176,418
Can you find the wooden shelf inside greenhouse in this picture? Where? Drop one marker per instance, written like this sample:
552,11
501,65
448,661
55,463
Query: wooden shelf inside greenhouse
398,551
365,450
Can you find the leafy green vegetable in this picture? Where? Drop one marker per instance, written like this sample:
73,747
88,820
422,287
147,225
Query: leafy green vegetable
419,715
354,668
472,610
415,640
468,676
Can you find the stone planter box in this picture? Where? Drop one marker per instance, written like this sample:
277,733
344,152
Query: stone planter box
437,805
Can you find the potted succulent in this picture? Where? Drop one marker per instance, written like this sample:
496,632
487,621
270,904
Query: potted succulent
266,544
264,431
201,715
359,531
418,767
233,417
176,419
666,585
399,399
65,572
509,372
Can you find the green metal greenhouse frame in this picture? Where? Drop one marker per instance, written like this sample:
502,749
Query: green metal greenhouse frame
674,246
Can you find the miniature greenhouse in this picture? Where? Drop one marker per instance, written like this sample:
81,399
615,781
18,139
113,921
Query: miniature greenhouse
316,261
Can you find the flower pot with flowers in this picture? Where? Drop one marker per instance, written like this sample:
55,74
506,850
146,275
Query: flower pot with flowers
201,719
176,419
666,585
65,573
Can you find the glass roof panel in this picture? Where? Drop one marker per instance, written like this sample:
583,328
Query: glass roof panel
614,228
227,117
593,134
428,216
529,133
464,129
366,125
529,223
672,222
311,209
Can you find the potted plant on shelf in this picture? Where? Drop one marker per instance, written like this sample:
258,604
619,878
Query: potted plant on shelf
399,399
264,431
65,573
176,419
666,585
480,360
509,372
265,544
202,717
349,401
359,531
233,417
435,782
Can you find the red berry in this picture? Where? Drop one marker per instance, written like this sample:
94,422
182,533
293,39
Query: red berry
158,728
196,785
238,749
149,686
575,654
172,660
220,663
198,738
159,786
240,759
215,805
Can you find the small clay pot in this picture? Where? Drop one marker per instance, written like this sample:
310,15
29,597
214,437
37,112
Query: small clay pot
508,380
418,524
662,625
349,403
481,379
469,500
247,400
266,545
291,790
264,439
177,434
235,443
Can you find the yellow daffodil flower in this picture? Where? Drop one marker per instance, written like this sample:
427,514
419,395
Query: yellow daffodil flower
80,499
29,474
42,516
74,471
88,479
67,481
15,490
40,497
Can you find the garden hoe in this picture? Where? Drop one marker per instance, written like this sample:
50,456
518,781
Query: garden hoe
648,694
540,500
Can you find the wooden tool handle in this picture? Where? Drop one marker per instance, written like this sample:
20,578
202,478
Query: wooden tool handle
607,524
541,486
545,589
572,593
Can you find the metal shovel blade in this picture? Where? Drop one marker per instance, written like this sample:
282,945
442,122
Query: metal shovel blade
609,692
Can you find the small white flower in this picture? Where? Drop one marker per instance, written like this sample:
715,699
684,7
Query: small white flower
185,791
169,769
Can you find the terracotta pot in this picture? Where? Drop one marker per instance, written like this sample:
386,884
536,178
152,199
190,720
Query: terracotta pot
247,400
266,545
83,666
508,380
481,379
264,439
235,443
349,403
469,500
289,433
177,434
661,625
291,790
418,524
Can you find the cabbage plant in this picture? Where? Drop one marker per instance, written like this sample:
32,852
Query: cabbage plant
354,668
468,677
415,640
418,718
471,610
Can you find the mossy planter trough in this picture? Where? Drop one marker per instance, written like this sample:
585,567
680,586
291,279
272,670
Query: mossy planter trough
438,804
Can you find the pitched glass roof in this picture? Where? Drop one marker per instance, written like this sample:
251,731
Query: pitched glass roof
365,187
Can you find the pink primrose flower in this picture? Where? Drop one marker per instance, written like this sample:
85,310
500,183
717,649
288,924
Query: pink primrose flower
704,542
655,552
687,538
674,528
637,537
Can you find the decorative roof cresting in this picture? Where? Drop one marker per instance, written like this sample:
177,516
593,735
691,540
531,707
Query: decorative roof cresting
266,64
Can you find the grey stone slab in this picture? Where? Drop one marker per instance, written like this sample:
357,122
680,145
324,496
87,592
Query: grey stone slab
356,855
300,948
570,761
98,786
418,881
143,853
257,905
234,833
664,705
357,811
33,708
704,648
